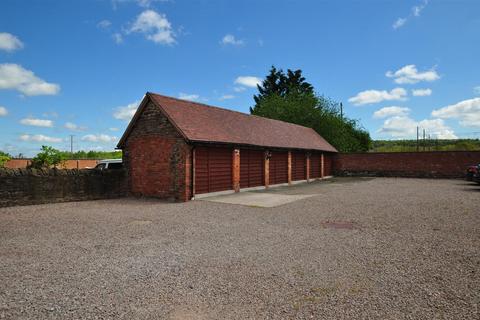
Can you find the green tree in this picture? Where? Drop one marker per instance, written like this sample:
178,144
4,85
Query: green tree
288,97
276,83
48,157
4,157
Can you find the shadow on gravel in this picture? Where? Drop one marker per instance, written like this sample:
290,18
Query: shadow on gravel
313,187
350,179
474,189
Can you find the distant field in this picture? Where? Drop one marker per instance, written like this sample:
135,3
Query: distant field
428,145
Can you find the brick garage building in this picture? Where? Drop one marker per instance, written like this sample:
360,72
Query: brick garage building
175,149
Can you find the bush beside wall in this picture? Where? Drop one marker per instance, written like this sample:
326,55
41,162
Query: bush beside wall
32,186
434,164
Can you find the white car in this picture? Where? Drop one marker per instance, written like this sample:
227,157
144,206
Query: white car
109,164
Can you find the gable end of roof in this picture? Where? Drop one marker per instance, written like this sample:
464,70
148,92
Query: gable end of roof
146,99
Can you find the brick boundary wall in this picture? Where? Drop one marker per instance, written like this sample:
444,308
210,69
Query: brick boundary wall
432,164
17,163
31,186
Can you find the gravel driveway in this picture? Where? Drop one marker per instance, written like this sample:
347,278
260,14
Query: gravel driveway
380,248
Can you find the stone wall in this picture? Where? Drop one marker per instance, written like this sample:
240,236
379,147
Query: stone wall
434,164
31,186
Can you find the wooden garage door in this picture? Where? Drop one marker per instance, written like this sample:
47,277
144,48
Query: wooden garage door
327,162
278,168
299,166
213,169
315,165
251,168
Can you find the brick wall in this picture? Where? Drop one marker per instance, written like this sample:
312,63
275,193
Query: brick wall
69,164
435,164
328,164
31,186
157,158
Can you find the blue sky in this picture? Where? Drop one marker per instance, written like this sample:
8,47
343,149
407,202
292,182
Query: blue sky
79,67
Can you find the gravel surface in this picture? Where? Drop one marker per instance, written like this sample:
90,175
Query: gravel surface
380,248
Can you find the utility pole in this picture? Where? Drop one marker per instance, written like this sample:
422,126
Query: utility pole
71,143
341,110
417,138
423,139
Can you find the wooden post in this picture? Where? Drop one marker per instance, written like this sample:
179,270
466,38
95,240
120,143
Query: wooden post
322,167
236,170
308,167
289,167
266,167
193,173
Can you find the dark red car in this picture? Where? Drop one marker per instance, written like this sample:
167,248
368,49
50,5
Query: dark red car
476,175
471,172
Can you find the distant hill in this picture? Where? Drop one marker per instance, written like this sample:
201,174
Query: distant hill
428,145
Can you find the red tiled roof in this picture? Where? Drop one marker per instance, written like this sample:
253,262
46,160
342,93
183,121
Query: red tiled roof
202,123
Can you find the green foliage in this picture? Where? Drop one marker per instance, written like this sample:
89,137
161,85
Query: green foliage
295,108
4,157
279,84
427,145
94,155
291,99
343,133
48,157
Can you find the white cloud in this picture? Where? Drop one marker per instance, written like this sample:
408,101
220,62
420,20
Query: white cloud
248,81
417,10
74,127
375,96
141,3
436,128
230,39
239,89
409,74
476,90
415,13
9,43
14,76
39,138
467,111
3,111
399,23
145,3
50,114
399,127
226,97
104,24
37,122
405,127
104,138
390,112
126,112
187,96
421,92
117,37
148,3
113,129
155,26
